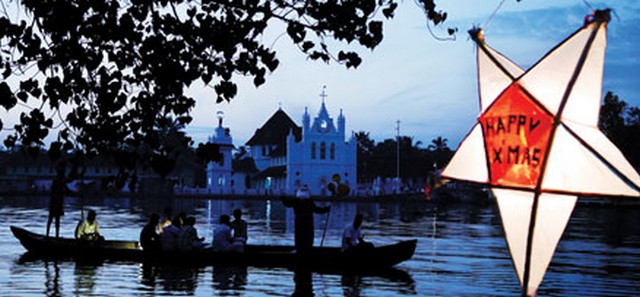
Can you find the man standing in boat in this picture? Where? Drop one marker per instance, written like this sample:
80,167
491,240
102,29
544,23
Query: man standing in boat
56,205
303,209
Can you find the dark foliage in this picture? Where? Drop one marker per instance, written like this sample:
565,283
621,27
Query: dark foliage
121,67
621,124
416,163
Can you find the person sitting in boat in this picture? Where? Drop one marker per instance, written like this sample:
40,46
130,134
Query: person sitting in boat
149,238
170,237
352,237
166,219
303,209
239,227
222,240
182,216
89,229
189,239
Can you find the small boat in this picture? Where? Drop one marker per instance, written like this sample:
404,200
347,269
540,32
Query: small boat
318,258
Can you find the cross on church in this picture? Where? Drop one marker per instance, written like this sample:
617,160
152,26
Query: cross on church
323,95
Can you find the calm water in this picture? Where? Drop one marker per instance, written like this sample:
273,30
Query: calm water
461,252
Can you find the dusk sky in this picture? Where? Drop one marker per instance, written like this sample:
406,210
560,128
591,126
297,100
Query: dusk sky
427,84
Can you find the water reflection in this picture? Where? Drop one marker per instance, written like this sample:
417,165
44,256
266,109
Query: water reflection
178,278
461,251
169,278
303,283
229,278
351,285
52,279
85,274
148,275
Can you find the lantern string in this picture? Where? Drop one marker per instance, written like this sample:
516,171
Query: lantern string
452,31
588,5
493,14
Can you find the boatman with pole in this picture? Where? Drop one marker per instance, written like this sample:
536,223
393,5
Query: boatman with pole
303,209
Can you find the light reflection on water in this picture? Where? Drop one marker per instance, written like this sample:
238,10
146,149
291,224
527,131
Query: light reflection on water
461,252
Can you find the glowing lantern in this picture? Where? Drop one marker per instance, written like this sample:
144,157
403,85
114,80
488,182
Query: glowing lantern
337,188
537,144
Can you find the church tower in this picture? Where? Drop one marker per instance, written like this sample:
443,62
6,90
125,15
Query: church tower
219,173
322,153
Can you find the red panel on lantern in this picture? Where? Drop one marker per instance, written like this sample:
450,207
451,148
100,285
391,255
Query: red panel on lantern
516,134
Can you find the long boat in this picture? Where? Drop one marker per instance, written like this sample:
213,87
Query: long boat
318,258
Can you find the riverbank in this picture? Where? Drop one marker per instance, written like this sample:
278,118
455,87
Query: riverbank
479,197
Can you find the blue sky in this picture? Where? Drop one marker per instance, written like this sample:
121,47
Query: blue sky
429,85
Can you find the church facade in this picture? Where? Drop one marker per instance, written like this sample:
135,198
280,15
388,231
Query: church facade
286,156
322,155
219,174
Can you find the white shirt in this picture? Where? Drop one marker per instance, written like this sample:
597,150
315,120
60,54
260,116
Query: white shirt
303,193
350,236
87,228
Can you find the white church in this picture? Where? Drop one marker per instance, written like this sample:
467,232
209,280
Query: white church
284,156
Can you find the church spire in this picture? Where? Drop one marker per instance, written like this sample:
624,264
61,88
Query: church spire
323,109
323,94
220,115
222,135
323,122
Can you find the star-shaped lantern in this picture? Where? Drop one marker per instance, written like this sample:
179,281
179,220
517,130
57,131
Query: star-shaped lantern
537,144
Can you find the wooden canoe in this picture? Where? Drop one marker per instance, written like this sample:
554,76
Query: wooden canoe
318,258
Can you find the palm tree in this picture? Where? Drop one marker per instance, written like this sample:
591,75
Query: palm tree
440,150
438,144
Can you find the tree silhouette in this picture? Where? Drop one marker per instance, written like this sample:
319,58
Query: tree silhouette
440,151
414,160
110,76
364,156
611,118
621,124
438,144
